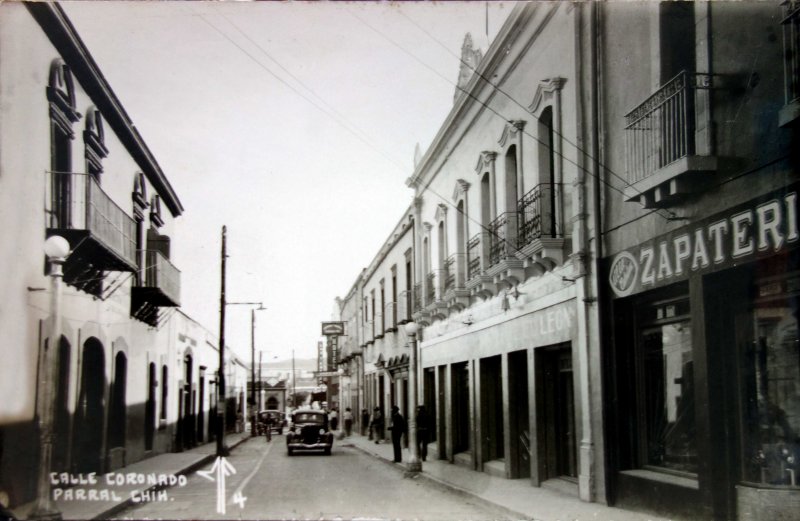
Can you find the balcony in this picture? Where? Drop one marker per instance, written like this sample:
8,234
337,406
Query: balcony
667,142
478,283
390,315
505,267
160,287
405,306
790,113
449,274
474,257
101,235
540,242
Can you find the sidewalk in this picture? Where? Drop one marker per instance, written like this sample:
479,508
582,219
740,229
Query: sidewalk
515,498
169,464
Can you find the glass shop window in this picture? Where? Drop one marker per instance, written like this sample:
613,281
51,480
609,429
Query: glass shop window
666,388
770,383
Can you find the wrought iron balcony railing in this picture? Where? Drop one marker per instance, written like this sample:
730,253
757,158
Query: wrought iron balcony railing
537,214
430,290
497,239
661,130
77,208
160,274
449,273
474,256
405,303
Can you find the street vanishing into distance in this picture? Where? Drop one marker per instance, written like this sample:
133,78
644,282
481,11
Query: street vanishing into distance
348,484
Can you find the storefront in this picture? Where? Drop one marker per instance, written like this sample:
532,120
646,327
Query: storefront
703,366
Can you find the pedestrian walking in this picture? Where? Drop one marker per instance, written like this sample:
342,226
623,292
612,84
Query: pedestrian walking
268,422
377,425
365,430
423,432
397,424
333,416
348,422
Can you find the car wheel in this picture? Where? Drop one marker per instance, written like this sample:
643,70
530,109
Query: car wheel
290,451
327,451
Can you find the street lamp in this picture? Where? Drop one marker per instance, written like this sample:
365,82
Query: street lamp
57,249
414,464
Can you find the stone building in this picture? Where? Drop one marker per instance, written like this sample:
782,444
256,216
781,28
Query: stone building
603,260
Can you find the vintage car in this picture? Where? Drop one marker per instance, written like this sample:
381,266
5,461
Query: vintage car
309,431
277,424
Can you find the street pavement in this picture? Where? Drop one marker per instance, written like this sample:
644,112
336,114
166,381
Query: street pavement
358,481
348,484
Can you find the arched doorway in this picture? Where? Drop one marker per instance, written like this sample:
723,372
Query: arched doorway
61,418
118,413
90,413
150,408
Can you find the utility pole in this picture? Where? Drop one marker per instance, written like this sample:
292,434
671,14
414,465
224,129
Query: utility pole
253,372
294,384
222,450
259,379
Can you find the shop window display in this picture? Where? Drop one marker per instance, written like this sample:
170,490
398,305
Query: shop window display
770,375
667,378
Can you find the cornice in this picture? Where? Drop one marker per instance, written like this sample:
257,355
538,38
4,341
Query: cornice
510,131
460,188
62,34
485,160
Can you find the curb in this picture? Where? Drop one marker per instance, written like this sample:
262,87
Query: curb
188,469
512,514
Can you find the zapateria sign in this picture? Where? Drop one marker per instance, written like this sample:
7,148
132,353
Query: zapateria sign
332,328
744,233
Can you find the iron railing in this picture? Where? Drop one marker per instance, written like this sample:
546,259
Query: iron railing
76,202
474,256
497,239
661,129
161,274
417,296
405,303
537,213
449,272
390,316
791,42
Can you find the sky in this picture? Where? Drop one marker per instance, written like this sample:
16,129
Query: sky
294,125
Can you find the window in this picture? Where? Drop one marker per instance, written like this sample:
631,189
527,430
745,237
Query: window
769,368
667,430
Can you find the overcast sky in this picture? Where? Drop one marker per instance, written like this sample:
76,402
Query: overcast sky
294,124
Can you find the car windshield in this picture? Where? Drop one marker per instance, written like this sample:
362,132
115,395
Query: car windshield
308,417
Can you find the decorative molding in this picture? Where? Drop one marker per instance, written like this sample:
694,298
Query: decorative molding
155,212
545,91
61,95
94,140
139,197
441,212
461,187
511,130
485,160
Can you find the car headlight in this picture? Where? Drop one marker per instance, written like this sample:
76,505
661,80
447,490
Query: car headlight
322,431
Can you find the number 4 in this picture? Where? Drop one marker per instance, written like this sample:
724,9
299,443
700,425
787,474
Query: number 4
239,499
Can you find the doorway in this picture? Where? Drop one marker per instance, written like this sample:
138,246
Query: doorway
557,414
90,414
519,450
460,397
491,404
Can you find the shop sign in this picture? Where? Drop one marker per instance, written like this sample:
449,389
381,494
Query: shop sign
742,234
332,328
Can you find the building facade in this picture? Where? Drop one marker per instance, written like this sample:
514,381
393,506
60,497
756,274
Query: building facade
132,379
603,260
700,351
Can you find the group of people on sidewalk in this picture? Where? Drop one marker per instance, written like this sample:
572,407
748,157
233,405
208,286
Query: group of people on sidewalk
373,426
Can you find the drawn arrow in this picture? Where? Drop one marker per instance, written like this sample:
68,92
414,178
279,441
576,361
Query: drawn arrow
223,469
